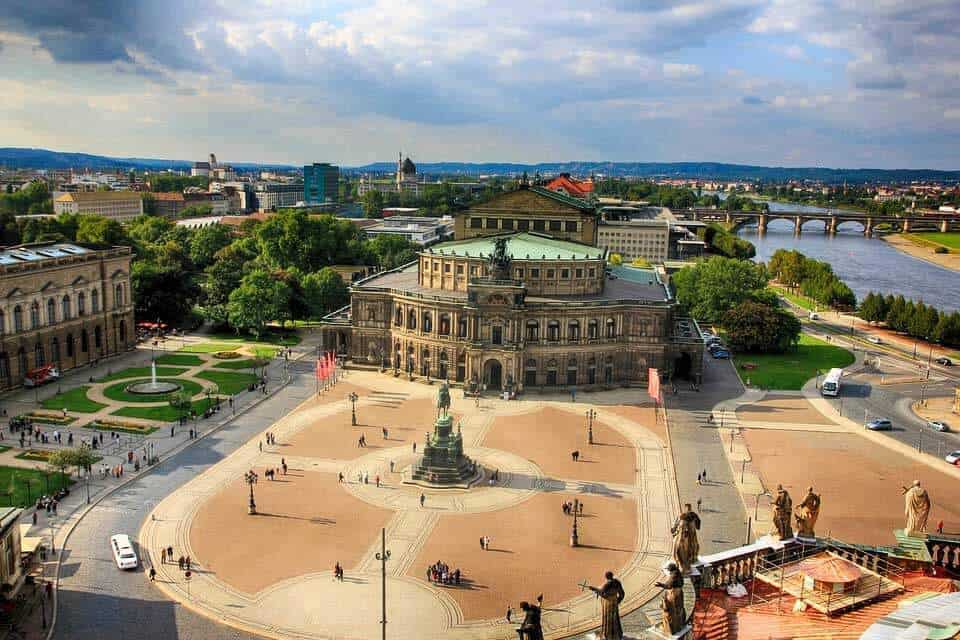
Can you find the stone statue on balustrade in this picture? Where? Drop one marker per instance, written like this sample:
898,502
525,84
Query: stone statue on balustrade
443,400
782,513
686,545
611,594
916,508
672,606
807,513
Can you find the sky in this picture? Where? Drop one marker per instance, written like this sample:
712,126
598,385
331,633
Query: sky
844,83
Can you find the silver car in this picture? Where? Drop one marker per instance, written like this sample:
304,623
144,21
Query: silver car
938,425
880,424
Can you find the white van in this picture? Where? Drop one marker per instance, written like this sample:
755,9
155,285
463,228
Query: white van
123,553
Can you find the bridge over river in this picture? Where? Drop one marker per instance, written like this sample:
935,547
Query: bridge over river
831,219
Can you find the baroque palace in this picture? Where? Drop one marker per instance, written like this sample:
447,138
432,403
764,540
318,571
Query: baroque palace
509,306
64,305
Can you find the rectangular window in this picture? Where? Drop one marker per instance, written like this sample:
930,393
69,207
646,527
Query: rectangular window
579,273
550,274
593,272
523,225
564,273
534,273
491,223
507,223
539,225
556,225
570,225
476,223
459,269
519,273
473,271
446,267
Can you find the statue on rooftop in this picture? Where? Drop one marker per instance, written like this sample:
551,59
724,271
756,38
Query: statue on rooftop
672,606
807,513
782,512
916,508
686,546
611,594
500,260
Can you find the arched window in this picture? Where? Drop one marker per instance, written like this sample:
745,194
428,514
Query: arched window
371,315
461,367
530,373
398,317
51,311
427,322
611,328
592,371
553,331
4,369
22,362
123,333
551,373
97,337
572,371
533,330
462,328
412,320
118,296
593,330
65,308
573,330
81,303
38,358
444,326
69,345
84,341
55,350
17,318
95,301
35,315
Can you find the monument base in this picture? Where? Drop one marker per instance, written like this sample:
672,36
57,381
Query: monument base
459,483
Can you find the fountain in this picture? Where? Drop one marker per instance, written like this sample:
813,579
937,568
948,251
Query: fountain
154,387
443,464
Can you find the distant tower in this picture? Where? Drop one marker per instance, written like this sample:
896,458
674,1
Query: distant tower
213,161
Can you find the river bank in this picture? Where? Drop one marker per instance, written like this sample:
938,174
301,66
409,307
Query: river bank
923,252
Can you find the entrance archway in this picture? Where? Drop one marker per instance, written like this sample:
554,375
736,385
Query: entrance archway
493,375
682,366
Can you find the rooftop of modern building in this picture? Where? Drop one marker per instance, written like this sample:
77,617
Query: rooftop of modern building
38,252
520,246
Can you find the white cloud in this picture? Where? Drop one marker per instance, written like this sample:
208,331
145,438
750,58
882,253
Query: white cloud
681,70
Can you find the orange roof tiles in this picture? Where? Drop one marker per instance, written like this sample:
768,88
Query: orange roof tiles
575,188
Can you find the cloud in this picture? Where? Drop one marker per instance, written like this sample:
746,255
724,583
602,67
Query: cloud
753,100
680,70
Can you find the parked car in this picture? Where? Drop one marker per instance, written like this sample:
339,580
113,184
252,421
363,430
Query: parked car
880,424
720,354
123,553
938,425
814,315
953,457
945,361
874,340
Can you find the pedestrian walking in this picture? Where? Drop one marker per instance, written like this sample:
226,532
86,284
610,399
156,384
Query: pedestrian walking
153,574
340,477
377,480
385,433
575,456
423,499
163,556
940,527
170,553
261,446
391,466
699,478
509,614
186,562
180,563
481,543
704,476
699,502
414,447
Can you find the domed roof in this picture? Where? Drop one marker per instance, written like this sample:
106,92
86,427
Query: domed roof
408,168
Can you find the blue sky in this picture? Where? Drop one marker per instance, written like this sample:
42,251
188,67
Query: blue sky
776,82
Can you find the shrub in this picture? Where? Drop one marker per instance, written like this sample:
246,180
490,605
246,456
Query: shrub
226,355
941,250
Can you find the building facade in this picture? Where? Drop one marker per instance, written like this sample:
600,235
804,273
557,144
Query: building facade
516,312
118,205
533,209
405,180
321,183
632,239
417,229
62,304
277,195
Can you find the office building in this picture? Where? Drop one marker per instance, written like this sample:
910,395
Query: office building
117,205
321,183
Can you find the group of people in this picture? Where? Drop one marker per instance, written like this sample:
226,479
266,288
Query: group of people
271,439
363,477
338,572
702,477
362,441
49,503
485,543
570,508
440,573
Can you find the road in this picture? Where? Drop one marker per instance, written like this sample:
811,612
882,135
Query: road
95,599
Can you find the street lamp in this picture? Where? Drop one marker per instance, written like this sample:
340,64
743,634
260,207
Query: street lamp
591,414
353,408
575,533
250,477
383,555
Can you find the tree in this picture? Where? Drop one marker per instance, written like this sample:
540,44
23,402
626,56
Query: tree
372,202
292,239
759,328
391,251
615,259
324,291
873,308
180,402
149,229
98,230
947,331
259,299
712,287
206,242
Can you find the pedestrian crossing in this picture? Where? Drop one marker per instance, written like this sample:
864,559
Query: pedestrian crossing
715,419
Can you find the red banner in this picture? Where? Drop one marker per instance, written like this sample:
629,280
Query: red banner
653,383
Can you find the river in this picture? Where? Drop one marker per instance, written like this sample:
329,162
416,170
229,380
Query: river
865,264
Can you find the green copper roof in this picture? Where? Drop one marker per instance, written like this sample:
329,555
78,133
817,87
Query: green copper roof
520,246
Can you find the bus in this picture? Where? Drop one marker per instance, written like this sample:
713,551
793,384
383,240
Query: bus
831,384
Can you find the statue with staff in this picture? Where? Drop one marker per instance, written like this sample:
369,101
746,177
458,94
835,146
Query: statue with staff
611,594
672,606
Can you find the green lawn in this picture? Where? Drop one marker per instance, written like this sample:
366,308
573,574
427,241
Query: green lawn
140,372
119,392
161,414
180,360
265,352
73,400
286,339
229,383
797,299
21,487
950,240
249,363
208,347
789,371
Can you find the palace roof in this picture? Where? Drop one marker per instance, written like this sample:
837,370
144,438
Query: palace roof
520,246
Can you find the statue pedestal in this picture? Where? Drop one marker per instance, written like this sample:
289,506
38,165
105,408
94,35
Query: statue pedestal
442,464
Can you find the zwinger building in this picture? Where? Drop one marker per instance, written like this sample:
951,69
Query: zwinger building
516,311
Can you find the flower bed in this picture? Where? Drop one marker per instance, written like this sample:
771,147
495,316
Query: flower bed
37,455
126,427
227,355
49,418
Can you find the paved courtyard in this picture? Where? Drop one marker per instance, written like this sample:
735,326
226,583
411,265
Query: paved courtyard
272,573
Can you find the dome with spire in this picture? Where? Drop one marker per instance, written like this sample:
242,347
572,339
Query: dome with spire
408,168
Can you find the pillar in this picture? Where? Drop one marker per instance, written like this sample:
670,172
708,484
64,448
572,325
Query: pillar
797,225
831,226
944,226
906,225
868,226
727,218
762,224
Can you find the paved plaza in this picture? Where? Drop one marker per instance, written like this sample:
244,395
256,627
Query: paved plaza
272,573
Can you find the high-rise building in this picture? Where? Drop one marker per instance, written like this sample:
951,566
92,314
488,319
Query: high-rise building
321,183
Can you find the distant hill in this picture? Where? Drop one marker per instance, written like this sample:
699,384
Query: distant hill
13,157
